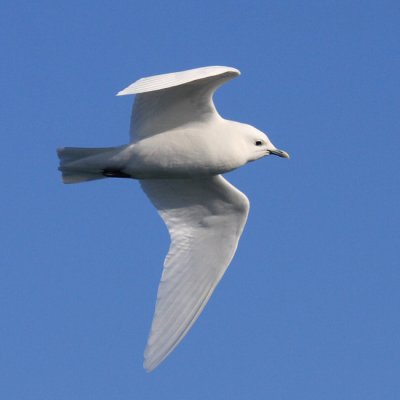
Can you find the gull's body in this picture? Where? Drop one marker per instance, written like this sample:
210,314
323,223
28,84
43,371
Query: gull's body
179,147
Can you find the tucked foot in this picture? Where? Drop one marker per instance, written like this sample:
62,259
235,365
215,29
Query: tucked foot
115,173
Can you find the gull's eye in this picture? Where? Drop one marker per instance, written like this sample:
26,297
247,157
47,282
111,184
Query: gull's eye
258,143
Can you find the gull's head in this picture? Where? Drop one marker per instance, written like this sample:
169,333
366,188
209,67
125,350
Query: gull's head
258,145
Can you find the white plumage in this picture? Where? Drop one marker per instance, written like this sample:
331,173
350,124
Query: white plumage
179,147
165,81
205,219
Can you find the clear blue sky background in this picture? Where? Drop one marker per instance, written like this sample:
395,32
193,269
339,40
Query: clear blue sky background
309,308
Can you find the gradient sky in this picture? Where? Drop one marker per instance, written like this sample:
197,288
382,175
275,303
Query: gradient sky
309,308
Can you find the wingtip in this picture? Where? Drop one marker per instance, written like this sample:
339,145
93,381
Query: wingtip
148,366
235,70
122,92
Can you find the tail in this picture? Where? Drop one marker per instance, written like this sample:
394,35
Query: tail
83,164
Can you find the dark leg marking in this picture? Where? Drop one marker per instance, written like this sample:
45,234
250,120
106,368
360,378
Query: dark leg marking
115,173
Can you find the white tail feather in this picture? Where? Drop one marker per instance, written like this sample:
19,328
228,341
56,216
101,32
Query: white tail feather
75,163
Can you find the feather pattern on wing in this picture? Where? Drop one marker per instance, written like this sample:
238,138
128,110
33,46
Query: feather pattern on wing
205,218
164,102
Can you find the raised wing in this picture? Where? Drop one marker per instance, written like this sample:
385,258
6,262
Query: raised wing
167,101
205,218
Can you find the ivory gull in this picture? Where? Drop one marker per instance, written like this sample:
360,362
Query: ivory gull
179,148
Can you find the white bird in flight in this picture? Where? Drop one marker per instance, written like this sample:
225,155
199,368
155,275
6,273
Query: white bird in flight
179,148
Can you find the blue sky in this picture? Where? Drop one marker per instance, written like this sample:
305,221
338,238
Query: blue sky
309,308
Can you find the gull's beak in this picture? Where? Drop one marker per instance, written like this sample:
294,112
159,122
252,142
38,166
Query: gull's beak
279,153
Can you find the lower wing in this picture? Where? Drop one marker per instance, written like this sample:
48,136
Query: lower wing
205,218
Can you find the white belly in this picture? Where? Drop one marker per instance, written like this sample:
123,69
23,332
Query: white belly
179,154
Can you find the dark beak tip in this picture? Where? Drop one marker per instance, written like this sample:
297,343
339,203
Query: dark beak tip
280,153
